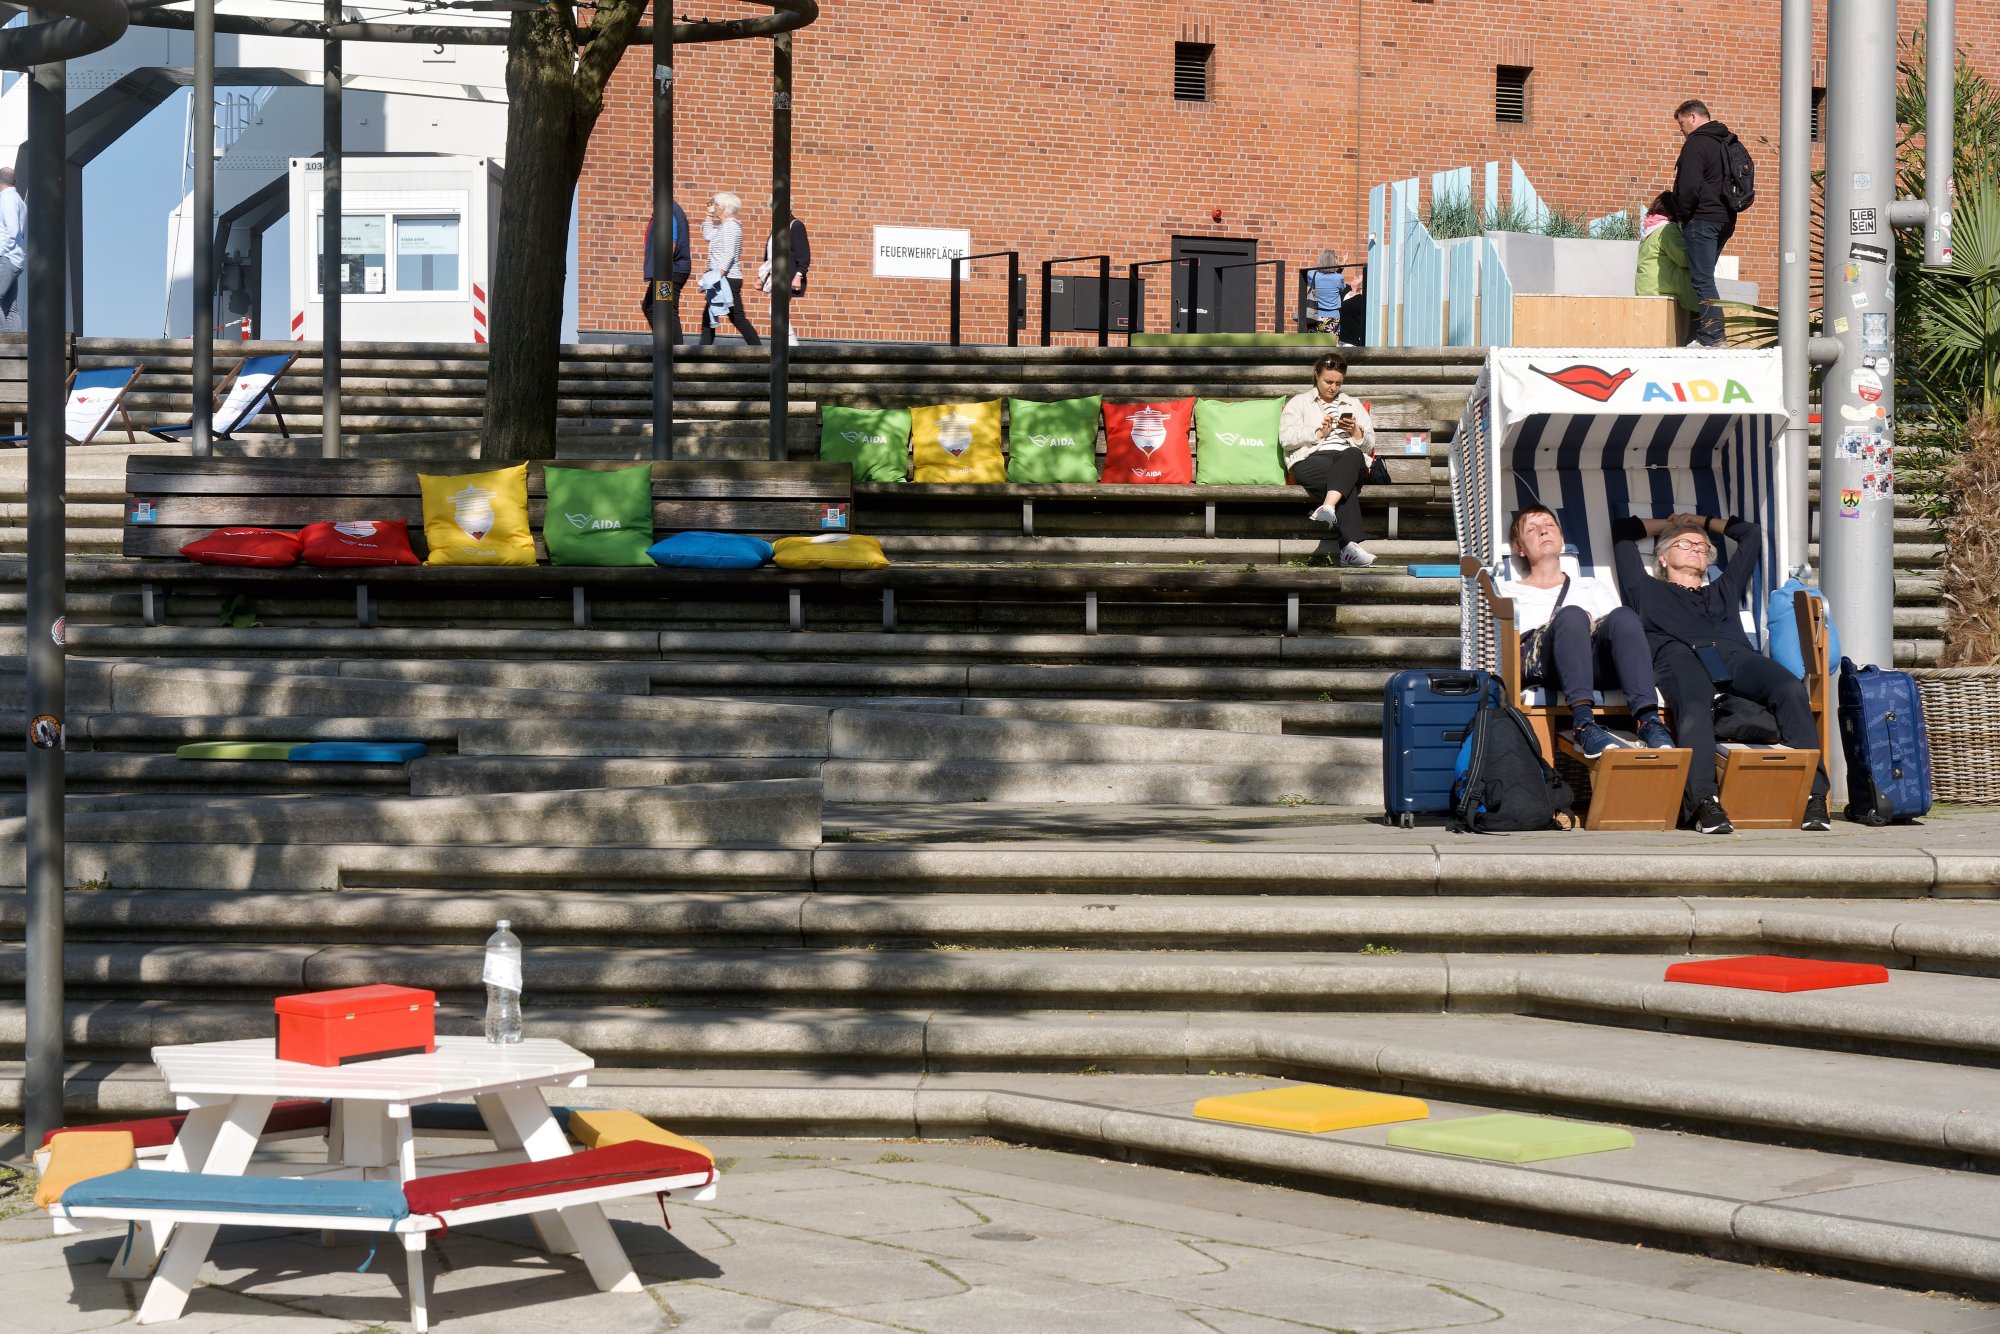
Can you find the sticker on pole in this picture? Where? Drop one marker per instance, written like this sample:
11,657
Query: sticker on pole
1861,222
1850,502
1867,385
46,732
1875,333
1873,254
59,631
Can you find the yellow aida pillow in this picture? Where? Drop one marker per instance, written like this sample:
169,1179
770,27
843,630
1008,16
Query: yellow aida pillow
829,551
596,1128
958,442
478,518
79,1155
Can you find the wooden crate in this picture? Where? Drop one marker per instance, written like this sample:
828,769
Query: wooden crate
1765,787
1597,321
1631,788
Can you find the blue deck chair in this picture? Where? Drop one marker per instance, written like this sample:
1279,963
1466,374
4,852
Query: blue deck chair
252,383
93,397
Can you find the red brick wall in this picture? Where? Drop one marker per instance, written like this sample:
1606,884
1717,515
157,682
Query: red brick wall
1053,130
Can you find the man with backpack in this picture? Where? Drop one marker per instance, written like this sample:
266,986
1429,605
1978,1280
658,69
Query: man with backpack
1713,182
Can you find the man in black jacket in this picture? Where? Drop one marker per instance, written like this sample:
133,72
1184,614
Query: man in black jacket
1702,209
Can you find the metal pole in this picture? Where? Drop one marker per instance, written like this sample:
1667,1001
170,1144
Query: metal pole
1940,99
664,305
1795,264
1857,393
1104,301
957,281
203,143
1013,285
781,241
42,1094
332,260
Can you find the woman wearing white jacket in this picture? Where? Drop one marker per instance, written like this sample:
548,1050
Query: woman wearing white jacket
725,266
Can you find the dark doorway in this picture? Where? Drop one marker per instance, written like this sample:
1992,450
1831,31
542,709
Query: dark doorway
1225,302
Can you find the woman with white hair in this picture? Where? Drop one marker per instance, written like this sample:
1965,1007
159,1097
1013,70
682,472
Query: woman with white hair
725,266
1329,289
1700,650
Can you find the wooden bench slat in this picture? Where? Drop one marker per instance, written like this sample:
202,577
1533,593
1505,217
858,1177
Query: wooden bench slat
152,474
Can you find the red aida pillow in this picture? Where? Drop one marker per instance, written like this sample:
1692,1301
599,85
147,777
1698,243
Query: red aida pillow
244,546
359,542
1147,443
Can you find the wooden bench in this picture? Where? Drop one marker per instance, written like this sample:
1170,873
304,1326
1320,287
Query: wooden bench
14,379
172,500
195,1204
1636,788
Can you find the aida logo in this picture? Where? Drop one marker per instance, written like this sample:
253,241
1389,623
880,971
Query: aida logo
472,508
954,434
1149,431
1592,382
1694,391
355,528
864,437
590,523
1242,441
1053,441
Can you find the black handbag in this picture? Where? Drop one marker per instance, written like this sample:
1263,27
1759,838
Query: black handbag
1741,719
1534,655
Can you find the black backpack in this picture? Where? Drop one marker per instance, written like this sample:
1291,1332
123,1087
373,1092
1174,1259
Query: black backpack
1504,785
1739,175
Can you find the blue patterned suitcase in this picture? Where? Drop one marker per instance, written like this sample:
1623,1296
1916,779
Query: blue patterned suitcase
1426,715
1888,751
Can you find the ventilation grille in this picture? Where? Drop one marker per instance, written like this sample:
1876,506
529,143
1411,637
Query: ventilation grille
1818,114
1510,94
1194,62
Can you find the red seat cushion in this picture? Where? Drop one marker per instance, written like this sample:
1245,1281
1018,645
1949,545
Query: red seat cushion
1775,972
245,546
156,1132
1157,452
630,1161
358,542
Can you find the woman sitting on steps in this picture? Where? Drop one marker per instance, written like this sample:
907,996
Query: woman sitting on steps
1329,444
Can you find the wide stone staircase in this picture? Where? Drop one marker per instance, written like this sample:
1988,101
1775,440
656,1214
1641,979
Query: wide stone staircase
988,875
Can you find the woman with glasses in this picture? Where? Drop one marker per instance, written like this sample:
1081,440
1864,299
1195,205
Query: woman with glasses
1699,648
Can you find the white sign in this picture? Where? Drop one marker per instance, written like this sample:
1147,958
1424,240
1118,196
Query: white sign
919,252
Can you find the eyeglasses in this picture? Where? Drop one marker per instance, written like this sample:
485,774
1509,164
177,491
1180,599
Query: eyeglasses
1688,544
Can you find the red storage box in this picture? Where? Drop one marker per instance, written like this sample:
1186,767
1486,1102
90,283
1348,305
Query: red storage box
356,1024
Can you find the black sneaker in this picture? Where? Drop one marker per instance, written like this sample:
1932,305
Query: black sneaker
1816,819
1710,818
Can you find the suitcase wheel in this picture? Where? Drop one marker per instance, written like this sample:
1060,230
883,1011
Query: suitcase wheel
1407,820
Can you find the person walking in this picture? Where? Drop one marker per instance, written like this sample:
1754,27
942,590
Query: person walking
13,254
801,261
723,281
1702,208
1328,441
683,265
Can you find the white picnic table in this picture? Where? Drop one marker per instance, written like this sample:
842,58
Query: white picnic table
227,1090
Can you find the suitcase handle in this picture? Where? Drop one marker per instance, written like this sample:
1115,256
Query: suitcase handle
1458,683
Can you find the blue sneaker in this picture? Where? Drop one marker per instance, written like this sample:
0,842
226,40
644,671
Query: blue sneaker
1593,739
1653,734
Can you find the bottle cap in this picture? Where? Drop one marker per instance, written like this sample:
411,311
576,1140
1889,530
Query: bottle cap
503,924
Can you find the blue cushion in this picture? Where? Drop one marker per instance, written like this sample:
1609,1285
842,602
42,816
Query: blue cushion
711,551
357,752
200,1192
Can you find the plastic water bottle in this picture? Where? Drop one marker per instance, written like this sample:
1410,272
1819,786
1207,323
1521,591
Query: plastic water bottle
503,985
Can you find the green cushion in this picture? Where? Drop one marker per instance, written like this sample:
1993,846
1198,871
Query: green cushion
875,442
1236,444
1504,1137
237,750
1053,442
599,518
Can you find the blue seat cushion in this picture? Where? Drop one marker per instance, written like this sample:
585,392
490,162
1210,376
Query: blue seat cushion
357,752
711,551
201,1192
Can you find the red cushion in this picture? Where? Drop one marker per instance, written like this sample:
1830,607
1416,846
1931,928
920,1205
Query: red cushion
244,546
1775,972
358,542
156,1132
1141,461
633,1160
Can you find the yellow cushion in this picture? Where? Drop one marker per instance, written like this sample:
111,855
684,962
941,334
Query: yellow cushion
829,551
1311,1108
958,442
78,1155
594,1128
478,518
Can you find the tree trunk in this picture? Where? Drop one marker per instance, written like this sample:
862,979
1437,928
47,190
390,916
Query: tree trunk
553,103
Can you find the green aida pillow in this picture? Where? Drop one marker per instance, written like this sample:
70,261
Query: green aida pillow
875,442
599,518
1052,442
1236,444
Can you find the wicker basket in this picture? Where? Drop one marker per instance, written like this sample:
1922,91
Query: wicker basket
1962,715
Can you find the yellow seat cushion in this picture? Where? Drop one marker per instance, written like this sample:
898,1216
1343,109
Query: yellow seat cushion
595,1128
478,518
958,442
80,1155
1312,1108
829,551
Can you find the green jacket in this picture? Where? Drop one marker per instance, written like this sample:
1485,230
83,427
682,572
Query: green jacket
1663,267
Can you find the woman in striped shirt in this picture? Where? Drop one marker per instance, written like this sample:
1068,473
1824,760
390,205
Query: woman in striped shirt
725,261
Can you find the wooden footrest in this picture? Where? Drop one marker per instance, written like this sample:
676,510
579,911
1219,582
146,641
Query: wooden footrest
1765,787
1633,788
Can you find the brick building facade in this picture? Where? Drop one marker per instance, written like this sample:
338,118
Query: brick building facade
1055,130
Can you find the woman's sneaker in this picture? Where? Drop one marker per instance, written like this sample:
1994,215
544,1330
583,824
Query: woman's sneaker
1593,739
1710,818
1354,554
1324,514
1816,819
1653,735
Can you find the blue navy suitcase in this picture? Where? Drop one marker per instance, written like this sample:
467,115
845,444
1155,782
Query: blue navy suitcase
1426,715
1888,751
